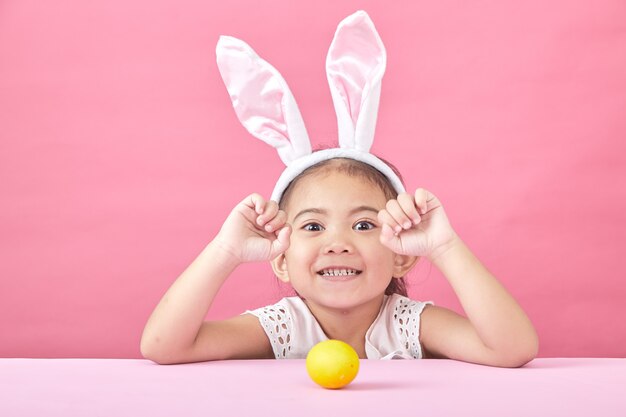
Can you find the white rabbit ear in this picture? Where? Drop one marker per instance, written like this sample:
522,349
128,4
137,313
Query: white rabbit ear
262,100
355,65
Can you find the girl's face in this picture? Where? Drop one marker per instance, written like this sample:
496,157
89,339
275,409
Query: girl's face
335,258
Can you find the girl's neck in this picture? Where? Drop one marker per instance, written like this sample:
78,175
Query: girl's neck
349,326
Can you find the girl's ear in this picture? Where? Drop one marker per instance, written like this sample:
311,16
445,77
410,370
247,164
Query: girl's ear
279,265
402,264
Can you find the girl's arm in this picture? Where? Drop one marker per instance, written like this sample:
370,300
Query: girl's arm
176,326
175,332
497,332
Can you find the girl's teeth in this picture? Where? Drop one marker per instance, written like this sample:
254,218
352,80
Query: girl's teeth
336,272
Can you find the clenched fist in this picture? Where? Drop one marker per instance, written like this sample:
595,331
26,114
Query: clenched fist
415,224
256,230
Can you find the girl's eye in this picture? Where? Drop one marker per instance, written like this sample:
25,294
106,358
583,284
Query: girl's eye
313,227
364,225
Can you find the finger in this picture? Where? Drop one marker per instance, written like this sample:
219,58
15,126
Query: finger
393,207
256,202
247,211
282,241
407,203
250,207
277,222
389,239
421,200
271,208
387,219
386,232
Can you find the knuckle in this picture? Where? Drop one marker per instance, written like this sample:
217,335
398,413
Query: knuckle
408,203
278,218
255,199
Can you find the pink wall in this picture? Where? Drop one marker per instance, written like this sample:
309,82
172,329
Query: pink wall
120,154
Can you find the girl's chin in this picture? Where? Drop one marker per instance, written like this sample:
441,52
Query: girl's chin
339,300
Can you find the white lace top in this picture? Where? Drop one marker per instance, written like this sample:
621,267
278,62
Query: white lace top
394,334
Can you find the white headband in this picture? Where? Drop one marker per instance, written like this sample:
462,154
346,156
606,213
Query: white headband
355,65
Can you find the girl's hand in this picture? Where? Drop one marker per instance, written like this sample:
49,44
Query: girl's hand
256,230
416,225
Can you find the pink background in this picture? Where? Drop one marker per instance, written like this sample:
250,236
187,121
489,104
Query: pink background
120,155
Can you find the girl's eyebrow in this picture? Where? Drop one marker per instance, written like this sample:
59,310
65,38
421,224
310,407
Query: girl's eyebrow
323,211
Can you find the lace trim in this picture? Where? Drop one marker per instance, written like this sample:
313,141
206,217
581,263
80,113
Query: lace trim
407,319
277,325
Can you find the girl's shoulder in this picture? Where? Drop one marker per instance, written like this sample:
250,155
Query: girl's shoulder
281,312
290,327
277,321
403,316
404,308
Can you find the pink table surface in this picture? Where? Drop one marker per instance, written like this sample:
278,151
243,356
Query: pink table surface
126,387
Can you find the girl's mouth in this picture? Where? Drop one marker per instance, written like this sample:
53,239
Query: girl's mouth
338,274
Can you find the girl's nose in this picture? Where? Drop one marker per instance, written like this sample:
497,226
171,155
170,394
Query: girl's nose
338,243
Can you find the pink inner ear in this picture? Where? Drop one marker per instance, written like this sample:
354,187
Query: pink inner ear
258,104
261,99
354,58
256,94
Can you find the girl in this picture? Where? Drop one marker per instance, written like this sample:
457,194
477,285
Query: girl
342,231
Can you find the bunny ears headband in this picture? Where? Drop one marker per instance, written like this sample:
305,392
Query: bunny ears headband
267,109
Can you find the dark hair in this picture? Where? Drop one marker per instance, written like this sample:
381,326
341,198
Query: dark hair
359,169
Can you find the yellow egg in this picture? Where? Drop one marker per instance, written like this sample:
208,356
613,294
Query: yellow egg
332,364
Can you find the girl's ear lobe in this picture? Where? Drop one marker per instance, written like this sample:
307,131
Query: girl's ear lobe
403,264
279,265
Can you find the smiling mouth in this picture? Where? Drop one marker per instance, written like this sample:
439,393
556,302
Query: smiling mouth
332,272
